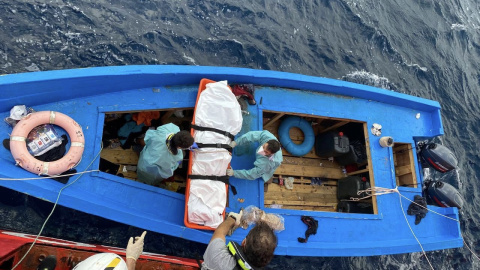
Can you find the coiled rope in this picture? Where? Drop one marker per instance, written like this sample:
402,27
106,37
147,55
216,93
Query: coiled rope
56,202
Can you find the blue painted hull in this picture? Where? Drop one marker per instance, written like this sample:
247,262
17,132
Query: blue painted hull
87,94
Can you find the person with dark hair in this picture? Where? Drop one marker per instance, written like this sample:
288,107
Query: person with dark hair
255,251
268,156
162,153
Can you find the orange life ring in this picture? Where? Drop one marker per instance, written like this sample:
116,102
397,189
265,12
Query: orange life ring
24,159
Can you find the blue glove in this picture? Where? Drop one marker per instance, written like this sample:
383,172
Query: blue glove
194,146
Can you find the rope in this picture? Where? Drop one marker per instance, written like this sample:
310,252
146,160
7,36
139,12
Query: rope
410,227
55,205
471,250
382,191
46,177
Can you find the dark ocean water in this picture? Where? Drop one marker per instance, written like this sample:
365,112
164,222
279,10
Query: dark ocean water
425,48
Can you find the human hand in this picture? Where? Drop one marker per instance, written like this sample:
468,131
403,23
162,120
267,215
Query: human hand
193,147
134,250
229,172
237,217
232,144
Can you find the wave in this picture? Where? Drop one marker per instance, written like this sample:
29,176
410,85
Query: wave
367,78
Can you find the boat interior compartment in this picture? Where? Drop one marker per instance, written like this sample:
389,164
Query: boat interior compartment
404,165
121,151
317,179
322,182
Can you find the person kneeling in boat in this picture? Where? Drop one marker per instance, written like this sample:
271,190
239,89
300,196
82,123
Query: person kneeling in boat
268,156
255,251
162,153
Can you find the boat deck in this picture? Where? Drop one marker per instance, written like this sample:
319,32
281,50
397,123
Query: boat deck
306,194
97,92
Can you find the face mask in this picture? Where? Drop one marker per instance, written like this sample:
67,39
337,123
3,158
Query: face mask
262,152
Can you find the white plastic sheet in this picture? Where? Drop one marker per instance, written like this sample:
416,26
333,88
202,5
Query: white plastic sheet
218,108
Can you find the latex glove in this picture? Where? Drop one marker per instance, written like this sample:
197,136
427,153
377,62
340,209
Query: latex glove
232,144
229,172
134,250
194,146
237,217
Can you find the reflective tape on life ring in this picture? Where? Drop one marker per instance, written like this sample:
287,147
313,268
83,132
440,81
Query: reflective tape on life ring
18,139
24,159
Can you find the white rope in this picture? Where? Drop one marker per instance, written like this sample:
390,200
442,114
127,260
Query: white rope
46,177
55,205
410,227
430,210
471,250
377,191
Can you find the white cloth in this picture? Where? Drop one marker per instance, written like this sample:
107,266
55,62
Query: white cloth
18,112
218,108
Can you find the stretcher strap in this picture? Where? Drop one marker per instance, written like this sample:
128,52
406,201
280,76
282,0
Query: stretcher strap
225,133
215,145
224,178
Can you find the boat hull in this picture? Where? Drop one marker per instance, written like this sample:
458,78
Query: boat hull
87,95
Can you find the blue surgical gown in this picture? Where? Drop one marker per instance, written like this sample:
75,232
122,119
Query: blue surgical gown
156,162
263,166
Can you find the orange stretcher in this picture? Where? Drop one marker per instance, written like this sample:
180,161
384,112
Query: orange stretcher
188,224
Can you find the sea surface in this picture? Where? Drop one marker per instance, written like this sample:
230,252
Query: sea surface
426,48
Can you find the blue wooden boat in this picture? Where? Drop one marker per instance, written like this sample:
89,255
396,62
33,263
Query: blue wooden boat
91,95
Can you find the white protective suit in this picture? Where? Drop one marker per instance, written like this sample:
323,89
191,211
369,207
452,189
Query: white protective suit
218,108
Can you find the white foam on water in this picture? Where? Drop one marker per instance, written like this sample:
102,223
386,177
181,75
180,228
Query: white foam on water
367,78
189,59
458,27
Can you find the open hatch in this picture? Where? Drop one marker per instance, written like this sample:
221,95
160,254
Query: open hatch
122,139
323,180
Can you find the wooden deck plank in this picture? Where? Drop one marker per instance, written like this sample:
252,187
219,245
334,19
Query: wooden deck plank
308,181
297,189
402,170
273,120
370,167
309,171
311,208
335,126
120,156
305,161
270,202
359,171
303,193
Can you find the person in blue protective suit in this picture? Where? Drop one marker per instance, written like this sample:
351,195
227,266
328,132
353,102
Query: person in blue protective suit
254,252
162,153
268,156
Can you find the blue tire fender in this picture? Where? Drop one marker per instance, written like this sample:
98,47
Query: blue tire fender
287,143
